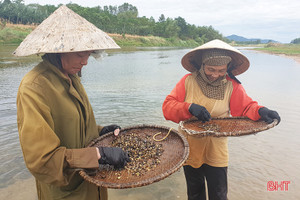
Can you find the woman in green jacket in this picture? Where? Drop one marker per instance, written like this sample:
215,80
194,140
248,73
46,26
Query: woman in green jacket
55,117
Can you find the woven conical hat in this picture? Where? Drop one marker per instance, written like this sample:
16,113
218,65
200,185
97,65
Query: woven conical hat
239,63
65,31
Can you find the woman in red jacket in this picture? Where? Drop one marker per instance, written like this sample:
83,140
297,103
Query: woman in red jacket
211,90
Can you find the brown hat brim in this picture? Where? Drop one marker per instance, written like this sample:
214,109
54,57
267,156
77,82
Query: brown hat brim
193,59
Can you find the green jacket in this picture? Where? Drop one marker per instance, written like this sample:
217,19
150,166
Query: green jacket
56,122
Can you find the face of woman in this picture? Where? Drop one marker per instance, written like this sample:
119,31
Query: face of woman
73,62
214,72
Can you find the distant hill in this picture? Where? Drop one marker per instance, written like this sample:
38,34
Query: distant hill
246,40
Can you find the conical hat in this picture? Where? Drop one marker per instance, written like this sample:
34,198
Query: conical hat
65,31
239,62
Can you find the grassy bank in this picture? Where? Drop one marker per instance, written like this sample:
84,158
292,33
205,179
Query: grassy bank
150,41
286,49
15,34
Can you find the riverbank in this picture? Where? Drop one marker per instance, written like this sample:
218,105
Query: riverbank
15,34
295,57
126,40
286,50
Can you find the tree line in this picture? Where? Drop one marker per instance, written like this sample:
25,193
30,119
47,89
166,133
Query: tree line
123,19
296,41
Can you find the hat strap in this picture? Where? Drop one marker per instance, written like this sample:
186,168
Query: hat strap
195,65
233,77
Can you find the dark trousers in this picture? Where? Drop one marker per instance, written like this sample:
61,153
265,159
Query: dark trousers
216,178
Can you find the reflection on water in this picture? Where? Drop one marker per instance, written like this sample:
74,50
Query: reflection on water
128,87
11,72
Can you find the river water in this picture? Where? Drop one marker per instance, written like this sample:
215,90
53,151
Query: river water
128,88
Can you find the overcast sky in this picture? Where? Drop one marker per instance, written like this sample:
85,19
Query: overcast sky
265,19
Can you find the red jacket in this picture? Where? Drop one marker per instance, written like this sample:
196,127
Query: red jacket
175,109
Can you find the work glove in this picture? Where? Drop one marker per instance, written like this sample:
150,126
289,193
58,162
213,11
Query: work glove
268,115
113,156
107,129
200,112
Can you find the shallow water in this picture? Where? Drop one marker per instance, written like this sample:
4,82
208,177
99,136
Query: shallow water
128,87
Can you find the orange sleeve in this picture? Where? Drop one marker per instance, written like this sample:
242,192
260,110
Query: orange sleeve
174,108
241,104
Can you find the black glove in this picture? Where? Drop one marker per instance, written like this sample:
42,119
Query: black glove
113,156
107,129
200,112
268,115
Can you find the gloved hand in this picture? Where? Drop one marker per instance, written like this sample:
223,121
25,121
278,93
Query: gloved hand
268,115
107,129
113,156
200,112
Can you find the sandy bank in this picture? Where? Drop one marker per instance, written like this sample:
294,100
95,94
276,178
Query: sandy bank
21,190
294,57
172,188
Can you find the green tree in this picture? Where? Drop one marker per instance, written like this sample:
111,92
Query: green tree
121,19
127,19
162,18
295,41
128,10
184,30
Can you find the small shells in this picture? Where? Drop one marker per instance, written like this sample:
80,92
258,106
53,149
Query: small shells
210,127
144,153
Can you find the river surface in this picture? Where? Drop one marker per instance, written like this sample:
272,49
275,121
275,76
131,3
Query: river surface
128,88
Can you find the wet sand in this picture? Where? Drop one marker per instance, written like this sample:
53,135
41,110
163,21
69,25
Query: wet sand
21,190
294,57
172,187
